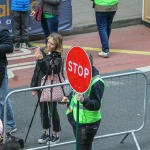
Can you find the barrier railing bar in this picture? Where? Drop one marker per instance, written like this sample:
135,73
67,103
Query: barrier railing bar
97,137
122,74
126,133
60,144
24,90
136,142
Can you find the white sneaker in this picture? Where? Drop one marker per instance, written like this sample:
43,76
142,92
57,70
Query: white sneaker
44,138
53,140
11,130
103,54
24,45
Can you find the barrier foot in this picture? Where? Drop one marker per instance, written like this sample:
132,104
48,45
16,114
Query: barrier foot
124,137
136,142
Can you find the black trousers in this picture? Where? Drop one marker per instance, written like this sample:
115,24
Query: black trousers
85,141
49,113
20,22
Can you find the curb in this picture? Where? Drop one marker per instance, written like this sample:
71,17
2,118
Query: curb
93,28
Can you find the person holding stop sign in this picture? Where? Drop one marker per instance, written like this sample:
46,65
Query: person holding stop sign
89,109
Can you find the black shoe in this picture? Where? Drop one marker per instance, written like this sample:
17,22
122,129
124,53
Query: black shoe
53,140
17,46
44,138
28,45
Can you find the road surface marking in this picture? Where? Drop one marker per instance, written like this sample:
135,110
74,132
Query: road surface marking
20,57
144,69
99,49
23,52
21,64
10,70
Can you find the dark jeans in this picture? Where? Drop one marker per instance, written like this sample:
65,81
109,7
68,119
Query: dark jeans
86,144
104,22
21,21
49,110
49,25
3,93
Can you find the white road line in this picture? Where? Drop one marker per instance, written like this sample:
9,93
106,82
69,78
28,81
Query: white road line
20,57
144,69
21,64
23,52
10,70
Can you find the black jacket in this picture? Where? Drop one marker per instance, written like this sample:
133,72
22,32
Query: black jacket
44,67
6,45
92,103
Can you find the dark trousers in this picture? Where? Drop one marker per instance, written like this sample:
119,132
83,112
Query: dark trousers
21,21
104,22
85,143
49,25
49,112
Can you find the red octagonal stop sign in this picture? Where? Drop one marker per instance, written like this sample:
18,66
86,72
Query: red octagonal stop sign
78,69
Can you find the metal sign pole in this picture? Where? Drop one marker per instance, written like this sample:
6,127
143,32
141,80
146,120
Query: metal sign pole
77,127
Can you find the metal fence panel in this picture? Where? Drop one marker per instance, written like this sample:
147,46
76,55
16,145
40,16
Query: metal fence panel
123,110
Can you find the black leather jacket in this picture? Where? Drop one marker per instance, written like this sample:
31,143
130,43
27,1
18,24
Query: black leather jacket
6,45
45,65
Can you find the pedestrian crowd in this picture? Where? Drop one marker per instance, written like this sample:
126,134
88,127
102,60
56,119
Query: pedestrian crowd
49,70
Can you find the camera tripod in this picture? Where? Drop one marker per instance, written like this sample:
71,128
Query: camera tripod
50,103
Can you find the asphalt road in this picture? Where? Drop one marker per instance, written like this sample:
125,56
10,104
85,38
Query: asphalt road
122,108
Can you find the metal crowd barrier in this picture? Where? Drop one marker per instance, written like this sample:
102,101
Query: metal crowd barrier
124,104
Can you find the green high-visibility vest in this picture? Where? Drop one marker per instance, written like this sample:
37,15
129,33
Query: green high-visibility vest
106,2
85,116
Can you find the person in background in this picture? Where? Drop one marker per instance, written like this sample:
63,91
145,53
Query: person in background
89,109
50,16
105,11
20,10
44,58
6,46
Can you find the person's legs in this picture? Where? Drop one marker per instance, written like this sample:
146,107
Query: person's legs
45,122
45,28
86,143
49,25
101,20
25,30
44,115
53,24
17,28
3,93
55,118
24,26
109,22
56,123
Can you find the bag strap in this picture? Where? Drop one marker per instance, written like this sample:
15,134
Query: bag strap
61,82
62,73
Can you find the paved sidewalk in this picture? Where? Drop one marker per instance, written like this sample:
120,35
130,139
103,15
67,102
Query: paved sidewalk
129,13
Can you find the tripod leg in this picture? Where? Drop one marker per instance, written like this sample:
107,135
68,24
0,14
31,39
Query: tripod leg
124,137
32,120
50,107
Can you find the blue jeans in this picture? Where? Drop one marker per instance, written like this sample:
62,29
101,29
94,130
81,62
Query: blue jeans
104,21
3,93
49,26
